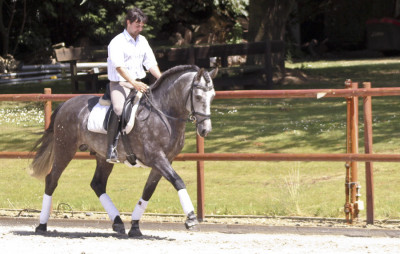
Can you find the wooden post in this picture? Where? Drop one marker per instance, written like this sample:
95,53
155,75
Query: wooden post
192,57
47,110
268,64
74,73
369,177
200,180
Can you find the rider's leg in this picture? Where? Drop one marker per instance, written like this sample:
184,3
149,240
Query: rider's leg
118,95
112,138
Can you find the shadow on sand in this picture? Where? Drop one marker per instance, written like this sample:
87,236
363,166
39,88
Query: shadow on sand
83,235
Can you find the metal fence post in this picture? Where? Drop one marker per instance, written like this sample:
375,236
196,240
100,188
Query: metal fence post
200,179
369,177
354,150
347,205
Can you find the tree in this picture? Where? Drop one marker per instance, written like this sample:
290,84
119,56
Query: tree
10,12
267,21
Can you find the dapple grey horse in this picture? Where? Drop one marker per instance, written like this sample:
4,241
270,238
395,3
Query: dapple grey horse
157,138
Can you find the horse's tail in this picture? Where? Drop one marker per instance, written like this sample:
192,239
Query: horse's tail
44,158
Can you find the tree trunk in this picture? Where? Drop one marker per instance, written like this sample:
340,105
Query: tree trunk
268,22
21,30
3,32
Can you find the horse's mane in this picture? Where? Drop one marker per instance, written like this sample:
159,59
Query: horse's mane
172,71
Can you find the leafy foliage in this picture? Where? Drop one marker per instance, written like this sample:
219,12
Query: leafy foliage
96,22
157,11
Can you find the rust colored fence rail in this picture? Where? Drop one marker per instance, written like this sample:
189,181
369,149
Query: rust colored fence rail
351,156
240,94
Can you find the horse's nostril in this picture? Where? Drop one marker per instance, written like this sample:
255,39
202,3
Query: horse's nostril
203,133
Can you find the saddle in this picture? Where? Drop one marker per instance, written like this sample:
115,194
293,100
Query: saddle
127,120
100,113
126,112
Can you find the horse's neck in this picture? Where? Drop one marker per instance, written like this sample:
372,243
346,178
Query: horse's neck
172,97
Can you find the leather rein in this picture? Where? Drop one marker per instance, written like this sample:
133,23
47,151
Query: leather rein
193,114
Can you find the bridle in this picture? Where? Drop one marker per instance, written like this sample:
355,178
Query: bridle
193,114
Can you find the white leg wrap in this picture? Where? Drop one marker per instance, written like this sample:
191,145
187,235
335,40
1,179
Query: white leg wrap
185,201
46,209
109,206
139,209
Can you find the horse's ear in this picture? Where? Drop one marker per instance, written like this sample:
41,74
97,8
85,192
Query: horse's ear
213,73
200,74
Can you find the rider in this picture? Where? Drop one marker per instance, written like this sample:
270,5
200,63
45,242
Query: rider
128,52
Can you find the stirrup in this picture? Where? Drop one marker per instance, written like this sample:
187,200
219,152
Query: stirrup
113,156
113,160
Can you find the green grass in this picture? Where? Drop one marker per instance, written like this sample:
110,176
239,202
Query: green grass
383,72
247,125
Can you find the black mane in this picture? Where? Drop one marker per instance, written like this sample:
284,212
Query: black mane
172,71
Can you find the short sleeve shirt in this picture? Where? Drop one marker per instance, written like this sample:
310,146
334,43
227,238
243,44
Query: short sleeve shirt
125,51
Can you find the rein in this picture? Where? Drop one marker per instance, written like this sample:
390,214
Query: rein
192,116
150,100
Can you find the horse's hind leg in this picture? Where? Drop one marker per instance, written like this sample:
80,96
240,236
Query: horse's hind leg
61,161
98,184
140,207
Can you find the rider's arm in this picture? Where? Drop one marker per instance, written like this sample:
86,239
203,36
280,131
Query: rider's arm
155,71
138,85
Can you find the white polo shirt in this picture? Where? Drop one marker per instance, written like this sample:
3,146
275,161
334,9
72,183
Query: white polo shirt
124,51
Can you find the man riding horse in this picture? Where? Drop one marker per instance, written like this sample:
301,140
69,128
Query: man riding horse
128,52
182,93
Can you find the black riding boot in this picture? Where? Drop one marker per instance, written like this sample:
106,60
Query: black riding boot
112,138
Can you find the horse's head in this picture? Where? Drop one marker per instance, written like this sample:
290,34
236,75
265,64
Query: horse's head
199,101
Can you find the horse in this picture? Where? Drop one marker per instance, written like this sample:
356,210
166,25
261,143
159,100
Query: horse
181,94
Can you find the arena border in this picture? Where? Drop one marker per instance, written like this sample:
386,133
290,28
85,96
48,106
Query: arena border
351,157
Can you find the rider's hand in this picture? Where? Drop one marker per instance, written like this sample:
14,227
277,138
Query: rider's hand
140,86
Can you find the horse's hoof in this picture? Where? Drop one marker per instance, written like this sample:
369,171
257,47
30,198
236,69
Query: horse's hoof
41,229
118,226
135,230
191,221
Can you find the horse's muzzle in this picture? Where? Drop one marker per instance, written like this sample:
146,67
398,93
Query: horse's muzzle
204,128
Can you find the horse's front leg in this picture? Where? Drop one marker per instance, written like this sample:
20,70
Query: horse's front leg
169,173
155,175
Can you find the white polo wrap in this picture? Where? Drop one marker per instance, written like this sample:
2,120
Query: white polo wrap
139,209
185,201
109,206
46,209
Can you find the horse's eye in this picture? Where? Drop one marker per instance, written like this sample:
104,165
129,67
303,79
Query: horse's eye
198,97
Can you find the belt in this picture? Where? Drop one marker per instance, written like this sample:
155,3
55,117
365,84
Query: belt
138,79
